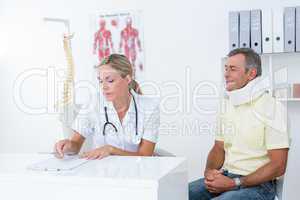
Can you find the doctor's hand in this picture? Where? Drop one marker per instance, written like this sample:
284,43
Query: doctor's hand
62,147
98,153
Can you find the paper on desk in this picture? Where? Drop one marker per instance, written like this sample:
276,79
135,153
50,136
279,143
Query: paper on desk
55,164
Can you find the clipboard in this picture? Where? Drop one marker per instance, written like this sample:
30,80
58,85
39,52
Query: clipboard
54,164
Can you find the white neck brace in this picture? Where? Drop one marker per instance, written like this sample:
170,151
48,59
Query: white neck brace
249,92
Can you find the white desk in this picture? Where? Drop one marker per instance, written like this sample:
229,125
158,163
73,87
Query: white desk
113,178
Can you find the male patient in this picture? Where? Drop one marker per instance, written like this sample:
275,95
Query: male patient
252,142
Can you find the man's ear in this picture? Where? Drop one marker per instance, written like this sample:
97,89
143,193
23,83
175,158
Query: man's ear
252,73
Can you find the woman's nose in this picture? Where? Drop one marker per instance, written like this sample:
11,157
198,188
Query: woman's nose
104,86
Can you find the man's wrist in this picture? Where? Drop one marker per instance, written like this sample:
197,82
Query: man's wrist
242,179
237,182
206,171
230,185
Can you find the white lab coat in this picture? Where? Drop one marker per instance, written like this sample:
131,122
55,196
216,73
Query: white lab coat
90,123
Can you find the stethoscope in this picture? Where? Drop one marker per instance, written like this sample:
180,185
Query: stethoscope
108,123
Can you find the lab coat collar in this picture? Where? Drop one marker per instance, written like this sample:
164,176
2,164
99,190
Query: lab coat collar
108,104
250,92
130,112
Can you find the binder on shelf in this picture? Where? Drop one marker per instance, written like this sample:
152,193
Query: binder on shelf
244,29
296,90
289,29
255,30
278,30
233,30
298,28
267,31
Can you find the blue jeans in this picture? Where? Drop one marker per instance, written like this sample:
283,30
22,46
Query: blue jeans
265,191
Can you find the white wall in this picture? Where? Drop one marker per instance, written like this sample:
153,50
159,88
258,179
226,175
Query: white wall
184,43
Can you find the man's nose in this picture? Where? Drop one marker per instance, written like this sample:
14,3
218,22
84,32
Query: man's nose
226,74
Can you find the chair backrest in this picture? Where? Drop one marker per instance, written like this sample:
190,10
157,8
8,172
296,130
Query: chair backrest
280,182
279,187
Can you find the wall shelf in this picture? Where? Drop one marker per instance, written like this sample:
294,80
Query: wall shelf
289,99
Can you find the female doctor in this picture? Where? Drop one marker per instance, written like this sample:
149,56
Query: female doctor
126,123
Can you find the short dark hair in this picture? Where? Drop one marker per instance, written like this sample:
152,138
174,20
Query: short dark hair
252,59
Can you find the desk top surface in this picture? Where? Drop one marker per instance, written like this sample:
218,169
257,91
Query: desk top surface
124,168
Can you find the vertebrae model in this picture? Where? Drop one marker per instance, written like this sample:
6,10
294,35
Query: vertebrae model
67,102
68,90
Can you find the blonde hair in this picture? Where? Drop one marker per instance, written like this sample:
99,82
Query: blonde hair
122,65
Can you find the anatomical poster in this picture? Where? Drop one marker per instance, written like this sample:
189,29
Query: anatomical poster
119,32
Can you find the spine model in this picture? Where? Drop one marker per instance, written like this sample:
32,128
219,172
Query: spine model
67,103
